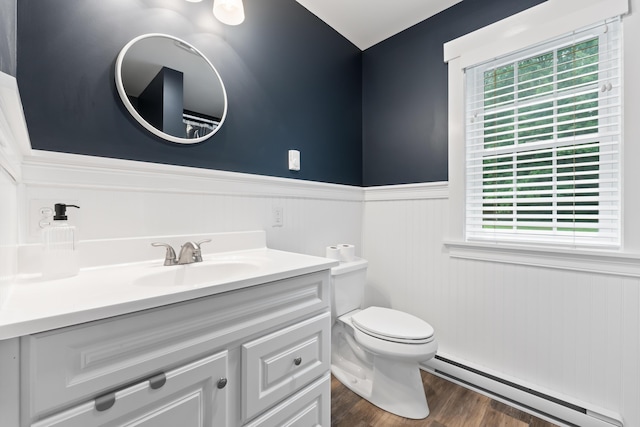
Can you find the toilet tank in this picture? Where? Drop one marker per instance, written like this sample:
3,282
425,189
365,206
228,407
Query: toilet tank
347,286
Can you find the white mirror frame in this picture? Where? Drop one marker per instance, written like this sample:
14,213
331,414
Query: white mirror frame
127,103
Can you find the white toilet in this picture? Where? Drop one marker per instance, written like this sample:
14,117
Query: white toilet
375,352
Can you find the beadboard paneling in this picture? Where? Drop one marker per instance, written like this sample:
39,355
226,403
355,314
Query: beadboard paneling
123,199
570,333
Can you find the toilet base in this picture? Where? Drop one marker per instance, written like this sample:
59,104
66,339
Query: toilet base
393,386
398,388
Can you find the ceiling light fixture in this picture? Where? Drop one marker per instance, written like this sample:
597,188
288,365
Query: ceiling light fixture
230,12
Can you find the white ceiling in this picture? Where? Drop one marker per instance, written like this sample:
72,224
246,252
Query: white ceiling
368,22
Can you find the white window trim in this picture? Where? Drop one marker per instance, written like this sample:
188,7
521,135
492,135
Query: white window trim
548,20
535,25
585,261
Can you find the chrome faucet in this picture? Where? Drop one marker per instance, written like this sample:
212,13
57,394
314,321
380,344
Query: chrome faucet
170,256
190,252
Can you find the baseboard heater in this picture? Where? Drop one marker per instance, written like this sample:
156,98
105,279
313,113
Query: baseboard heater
551,408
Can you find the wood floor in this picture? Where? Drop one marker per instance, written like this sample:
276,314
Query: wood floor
450,405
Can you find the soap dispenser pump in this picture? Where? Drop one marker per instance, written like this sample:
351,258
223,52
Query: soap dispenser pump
60,246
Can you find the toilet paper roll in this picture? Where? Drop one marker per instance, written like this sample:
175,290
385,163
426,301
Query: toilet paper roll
347,252
333,252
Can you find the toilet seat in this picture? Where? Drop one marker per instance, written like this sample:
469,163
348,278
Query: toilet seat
393,325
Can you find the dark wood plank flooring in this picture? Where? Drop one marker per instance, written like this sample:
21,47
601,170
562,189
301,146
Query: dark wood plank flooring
450,404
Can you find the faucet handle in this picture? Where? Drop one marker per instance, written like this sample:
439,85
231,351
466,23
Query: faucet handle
197,256
170,256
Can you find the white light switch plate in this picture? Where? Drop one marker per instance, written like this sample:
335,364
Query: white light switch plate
294,160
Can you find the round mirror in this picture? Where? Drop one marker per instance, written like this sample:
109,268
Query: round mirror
171,88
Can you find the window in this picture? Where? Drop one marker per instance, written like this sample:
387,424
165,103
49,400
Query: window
543,143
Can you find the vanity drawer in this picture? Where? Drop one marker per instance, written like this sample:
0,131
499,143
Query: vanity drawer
310,407
65,367
188,396
283,362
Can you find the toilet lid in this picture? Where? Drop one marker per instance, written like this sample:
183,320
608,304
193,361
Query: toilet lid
392,325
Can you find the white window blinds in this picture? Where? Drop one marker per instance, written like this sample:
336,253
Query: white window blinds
543,139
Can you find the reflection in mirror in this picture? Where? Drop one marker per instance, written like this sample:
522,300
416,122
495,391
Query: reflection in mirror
171,88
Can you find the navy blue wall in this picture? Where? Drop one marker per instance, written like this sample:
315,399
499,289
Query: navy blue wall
405,94
8,37
291,80
375,118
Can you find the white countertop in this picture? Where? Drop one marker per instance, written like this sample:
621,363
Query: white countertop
31,305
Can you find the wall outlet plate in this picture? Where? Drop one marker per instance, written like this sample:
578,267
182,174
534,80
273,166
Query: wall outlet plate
277,217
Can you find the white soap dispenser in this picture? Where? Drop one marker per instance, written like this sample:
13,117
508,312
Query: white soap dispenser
60,246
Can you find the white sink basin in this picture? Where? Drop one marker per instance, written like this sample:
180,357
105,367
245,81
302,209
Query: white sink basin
202,273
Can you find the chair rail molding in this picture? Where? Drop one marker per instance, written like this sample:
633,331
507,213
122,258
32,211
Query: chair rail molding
420,191
51,169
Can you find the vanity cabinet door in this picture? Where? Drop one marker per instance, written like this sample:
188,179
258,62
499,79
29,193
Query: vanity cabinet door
308,408
281,363
194,395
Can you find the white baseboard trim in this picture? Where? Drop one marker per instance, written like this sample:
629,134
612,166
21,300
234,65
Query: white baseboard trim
550,406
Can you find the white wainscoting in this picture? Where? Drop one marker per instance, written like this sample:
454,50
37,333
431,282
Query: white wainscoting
567,333
123,199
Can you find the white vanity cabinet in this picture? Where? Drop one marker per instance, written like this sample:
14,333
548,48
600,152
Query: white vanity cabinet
257,356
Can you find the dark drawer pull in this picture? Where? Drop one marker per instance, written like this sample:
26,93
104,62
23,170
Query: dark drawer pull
297,361
157,381
105,401
222,382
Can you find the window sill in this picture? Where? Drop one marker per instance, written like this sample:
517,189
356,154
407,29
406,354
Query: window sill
601,262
